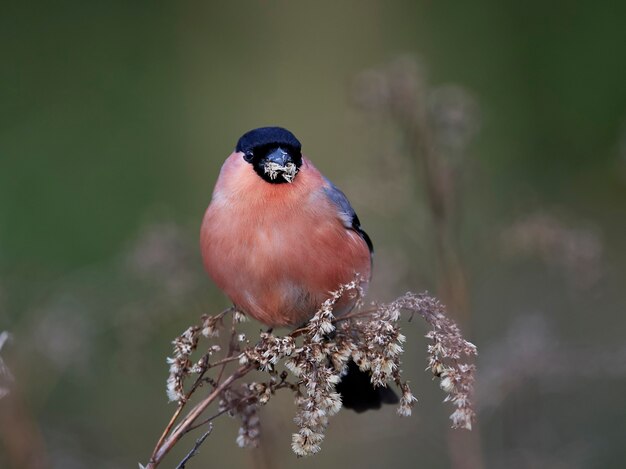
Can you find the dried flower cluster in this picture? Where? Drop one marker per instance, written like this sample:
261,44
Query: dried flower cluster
318,364
181,364
310,362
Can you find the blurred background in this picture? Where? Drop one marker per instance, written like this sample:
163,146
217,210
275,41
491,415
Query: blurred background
482,144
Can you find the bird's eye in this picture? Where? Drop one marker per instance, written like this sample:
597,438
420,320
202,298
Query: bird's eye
248,156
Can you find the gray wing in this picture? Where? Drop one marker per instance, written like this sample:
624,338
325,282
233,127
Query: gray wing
346,212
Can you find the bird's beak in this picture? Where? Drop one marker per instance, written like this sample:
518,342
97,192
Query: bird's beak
279,163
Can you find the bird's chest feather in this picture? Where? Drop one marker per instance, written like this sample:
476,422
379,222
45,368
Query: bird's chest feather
270,237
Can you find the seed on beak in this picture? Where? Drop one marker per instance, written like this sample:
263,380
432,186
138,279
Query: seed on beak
273,170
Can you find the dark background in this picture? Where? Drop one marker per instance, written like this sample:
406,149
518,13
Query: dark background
116,117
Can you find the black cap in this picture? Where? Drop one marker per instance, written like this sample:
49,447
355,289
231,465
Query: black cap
265,137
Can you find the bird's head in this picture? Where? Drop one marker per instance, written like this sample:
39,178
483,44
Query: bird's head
273,152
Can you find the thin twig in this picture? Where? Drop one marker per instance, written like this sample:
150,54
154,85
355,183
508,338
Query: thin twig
195,448
224,361
210,419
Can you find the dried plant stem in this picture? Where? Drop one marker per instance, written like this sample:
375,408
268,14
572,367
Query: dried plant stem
225,361
168,428
168,443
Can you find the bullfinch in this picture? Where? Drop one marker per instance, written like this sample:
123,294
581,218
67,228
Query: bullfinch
278,236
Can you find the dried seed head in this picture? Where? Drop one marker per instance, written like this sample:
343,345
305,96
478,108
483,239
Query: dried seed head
406,401
319,356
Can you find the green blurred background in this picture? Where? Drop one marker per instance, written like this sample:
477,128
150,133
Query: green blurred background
116,117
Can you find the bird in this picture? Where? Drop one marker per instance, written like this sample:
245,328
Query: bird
278,237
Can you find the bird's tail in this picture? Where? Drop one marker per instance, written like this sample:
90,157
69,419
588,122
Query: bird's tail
359,394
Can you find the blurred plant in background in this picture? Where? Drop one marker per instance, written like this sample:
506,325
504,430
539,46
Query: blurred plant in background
434,126
6,377
576,252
